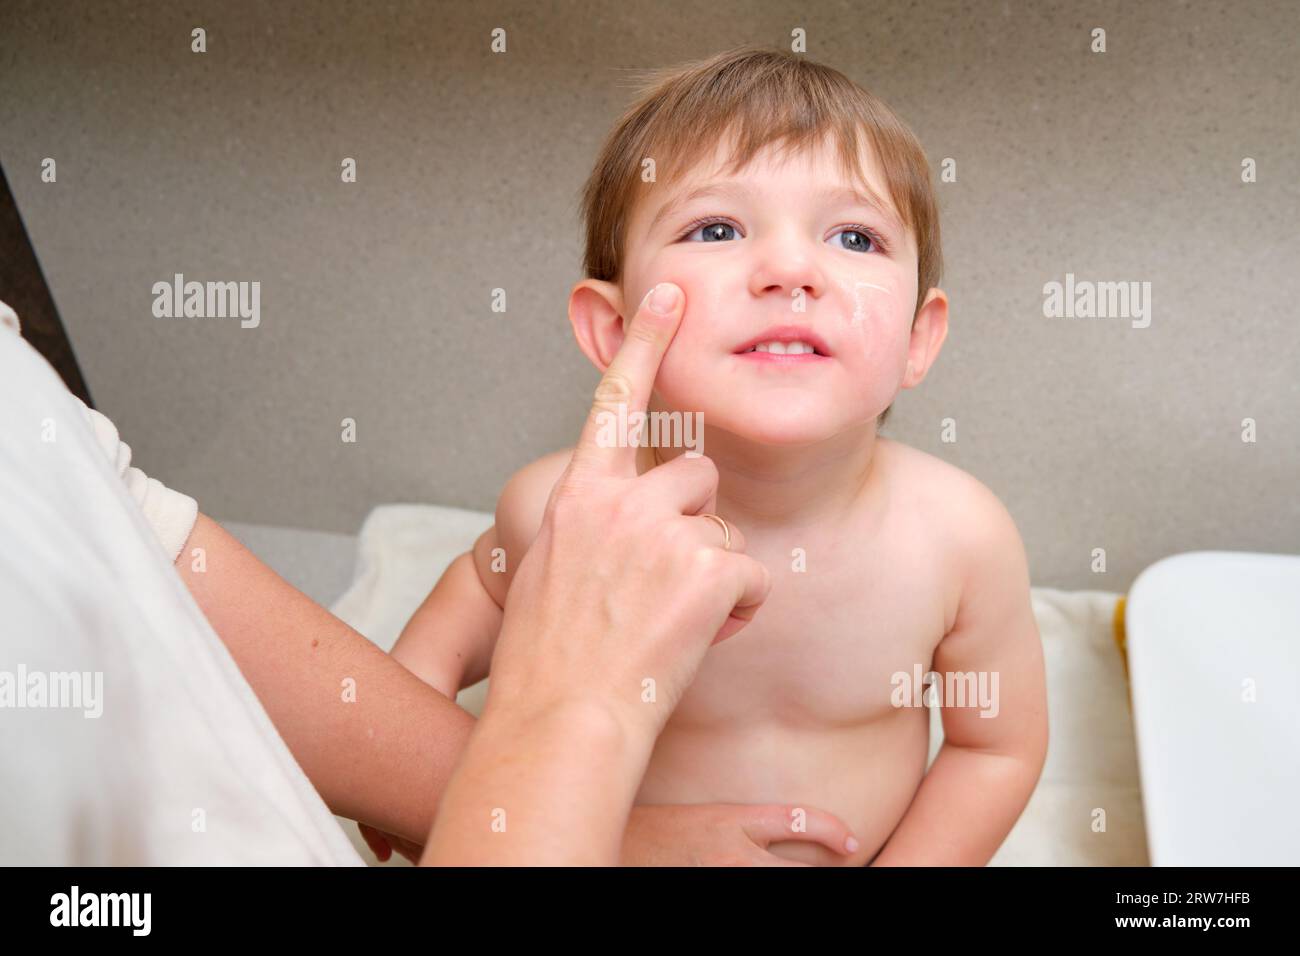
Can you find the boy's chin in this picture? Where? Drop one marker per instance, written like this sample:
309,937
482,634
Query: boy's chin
785,427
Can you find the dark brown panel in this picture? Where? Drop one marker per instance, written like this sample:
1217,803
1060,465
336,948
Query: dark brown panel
22,285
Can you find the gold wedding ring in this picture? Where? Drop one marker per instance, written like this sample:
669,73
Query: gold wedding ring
726,528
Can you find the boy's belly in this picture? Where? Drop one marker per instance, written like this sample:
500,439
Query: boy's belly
865,773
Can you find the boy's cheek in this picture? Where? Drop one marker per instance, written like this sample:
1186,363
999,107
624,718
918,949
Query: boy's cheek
707,295
675,369
696,335
686,379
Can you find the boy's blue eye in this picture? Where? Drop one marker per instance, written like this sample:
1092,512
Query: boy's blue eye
861,241
854,238
715,231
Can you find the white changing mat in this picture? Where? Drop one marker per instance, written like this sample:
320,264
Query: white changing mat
1090,777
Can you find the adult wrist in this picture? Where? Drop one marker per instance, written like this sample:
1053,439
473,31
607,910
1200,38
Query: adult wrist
524,762
602,723
590,738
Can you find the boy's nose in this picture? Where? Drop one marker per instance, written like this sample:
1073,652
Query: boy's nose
784,268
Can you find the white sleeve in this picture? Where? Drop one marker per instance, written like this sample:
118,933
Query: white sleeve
128,735
170,513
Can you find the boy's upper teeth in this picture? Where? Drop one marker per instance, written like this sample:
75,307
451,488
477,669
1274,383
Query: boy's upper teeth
784,348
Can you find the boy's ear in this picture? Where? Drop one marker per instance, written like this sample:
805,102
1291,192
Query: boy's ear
596,314
929,330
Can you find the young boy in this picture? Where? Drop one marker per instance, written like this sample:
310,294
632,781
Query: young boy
796,212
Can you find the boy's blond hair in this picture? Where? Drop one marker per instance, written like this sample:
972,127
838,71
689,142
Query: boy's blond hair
763,97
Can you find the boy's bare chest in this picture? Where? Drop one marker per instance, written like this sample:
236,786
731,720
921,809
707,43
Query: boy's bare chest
844,618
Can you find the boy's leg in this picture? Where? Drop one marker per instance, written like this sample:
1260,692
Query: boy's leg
127,733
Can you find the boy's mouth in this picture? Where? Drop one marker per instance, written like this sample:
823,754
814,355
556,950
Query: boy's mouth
786,342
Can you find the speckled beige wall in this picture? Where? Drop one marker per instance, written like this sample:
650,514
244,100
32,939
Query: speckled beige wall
375,296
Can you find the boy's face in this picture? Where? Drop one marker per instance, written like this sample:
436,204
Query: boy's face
782,252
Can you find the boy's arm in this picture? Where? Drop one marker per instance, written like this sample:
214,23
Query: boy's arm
449,640
988,766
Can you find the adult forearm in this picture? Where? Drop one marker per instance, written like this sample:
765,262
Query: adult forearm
552,787
964,809
377,743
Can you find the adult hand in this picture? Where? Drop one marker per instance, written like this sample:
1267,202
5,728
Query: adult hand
626,585
608,618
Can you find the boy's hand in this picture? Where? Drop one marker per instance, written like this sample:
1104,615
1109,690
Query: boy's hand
705,834
722,834
383,844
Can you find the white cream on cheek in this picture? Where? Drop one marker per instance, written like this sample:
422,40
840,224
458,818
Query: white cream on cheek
877,323
859,312
863,293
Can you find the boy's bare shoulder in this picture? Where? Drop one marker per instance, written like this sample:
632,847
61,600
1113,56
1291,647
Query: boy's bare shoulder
519,511
938,485
961,510
523,500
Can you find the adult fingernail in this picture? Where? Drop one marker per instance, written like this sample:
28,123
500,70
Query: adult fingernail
851,845
663,298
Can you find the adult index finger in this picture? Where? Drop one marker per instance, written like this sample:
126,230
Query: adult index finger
626,386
